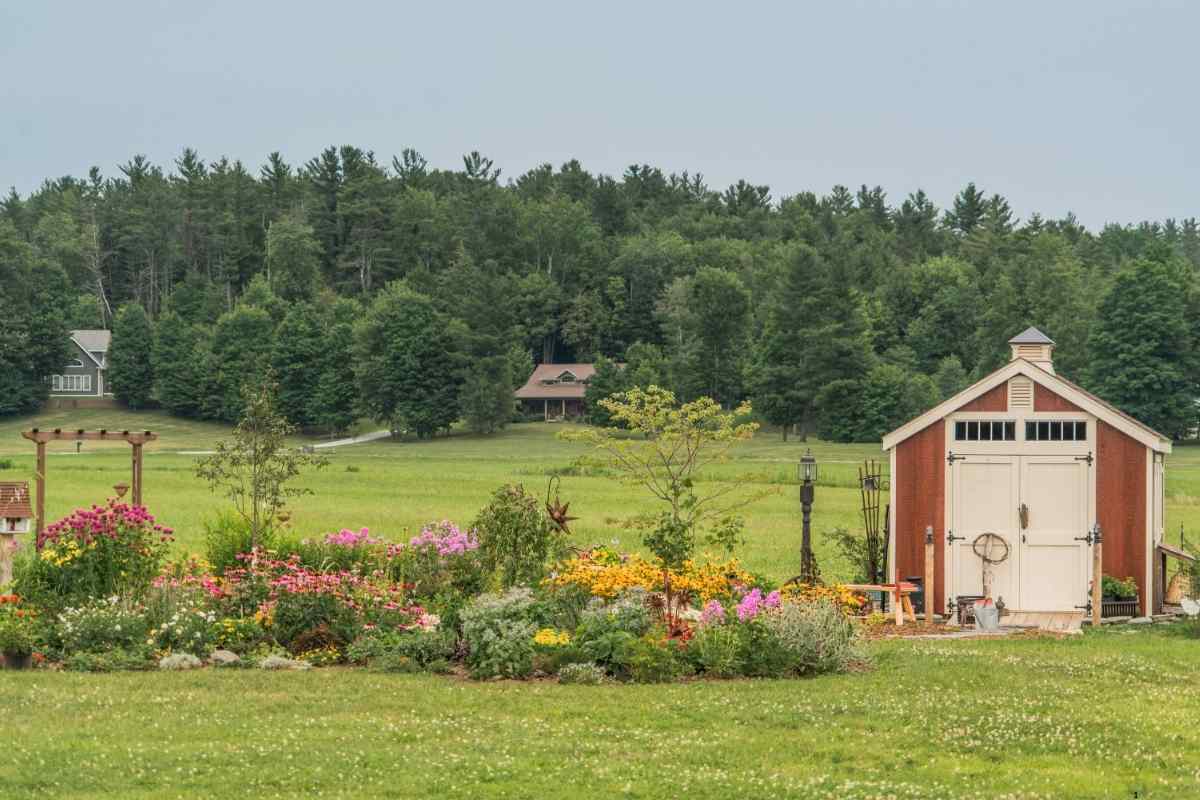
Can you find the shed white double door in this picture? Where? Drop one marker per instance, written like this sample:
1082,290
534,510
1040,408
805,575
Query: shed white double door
1048,564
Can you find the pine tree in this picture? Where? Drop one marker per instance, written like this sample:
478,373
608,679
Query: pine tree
241,349
335,403
405,363
130,372
970,206
1142,348
295,364
177,369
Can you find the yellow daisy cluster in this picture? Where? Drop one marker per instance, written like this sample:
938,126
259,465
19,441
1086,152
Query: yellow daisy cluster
606,578
549,637
847,600
62,554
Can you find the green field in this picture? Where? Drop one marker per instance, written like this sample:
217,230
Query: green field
393,487
1106,715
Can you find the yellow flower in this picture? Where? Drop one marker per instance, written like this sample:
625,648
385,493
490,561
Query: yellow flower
551,638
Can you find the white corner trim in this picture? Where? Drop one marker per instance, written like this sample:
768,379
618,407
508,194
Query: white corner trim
1148,600
88,354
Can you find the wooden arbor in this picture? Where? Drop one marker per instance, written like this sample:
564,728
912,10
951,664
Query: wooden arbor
41,438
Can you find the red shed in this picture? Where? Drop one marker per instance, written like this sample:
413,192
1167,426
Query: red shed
1038,461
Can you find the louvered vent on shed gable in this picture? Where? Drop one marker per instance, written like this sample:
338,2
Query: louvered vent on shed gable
1020,394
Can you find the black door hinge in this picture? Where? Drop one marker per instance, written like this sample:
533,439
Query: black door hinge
951,458
951,538
1088,458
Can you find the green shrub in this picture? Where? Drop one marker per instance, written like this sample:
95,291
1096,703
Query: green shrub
516,538
717,651
817,636
100,626
584,674
423,648
763,654
226,536
189,630
498,632
627,613
138,657
654,661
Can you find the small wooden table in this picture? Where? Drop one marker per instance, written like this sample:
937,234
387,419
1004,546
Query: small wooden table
899,591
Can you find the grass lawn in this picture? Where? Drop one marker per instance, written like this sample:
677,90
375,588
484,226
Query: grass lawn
1109,714
1105,715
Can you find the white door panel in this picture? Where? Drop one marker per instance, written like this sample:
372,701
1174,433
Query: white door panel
1054,560
986,496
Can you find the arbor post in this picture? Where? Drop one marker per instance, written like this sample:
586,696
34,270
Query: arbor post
39,478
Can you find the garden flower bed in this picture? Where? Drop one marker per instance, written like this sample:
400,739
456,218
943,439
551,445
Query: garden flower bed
97,594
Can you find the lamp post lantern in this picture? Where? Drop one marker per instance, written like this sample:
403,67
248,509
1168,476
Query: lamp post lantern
808,478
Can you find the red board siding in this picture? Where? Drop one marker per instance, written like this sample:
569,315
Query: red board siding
1046,400
992,400
1121,505
919,489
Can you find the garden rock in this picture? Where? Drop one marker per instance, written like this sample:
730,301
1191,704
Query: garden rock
177,661
280,662
223,658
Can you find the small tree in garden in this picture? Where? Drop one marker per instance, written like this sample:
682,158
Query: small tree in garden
671,446
516,538
254,468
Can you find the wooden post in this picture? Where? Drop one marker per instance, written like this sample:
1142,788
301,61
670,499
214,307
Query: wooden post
137,474
929,587
1097,575
40,480
899,601
7,543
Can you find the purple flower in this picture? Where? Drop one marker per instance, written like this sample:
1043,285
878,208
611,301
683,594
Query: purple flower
713,613
772,600
751,604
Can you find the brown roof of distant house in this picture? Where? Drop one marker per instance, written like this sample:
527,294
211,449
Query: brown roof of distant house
537,388
14,499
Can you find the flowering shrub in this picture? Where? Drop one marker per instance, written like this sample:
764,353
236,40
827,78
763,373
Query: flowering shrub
101,625
498,630
716,651
441,559
584,674
96,552
754,602
426,649
17,635
189,630
606,574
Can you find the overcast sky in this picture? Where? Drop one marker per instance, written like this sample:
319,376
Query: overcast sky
1060,106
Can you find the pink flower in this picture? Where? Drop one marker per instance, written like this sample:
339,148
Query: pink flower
773,599
713,613
751,604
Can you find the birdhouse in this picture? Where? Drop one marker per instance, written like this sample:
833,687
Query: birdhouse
16,511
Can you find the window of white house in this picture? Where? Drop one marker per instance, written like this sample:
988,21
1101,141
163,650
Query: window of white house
71,383
1055,430
77,362
985,430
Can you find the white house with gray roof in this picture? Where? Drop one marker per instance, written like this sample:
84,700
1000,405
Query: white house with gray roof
84,373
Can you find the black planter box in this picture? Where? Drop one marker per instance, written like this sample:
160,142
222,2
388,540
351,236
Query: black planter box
1120,608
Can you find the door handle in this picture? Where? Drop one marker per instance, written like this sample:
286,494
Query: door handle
1023,512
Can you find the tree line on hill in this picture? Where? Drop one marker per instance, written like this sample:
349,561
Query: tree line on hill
419,296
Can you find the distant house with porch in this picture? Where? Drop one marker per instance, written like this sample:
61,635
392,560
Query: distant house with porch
84,373
556,390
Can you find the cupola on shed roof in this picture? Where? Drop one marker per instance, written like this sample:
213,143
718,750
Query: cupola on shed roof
1035,347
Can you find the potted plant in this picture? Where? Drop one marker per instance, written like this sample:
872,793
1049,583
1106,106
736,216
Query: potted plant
1120,596
16,633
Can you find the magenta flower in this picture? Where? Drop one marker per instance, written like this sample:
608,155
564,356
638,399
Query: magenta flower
751,605
713,613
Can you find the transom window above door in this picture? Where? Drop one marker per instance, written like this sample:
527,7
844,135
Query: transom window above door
1055,430
985,430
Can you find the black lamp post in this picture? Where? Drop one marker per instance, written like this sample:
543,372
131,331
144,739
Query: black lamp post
808,478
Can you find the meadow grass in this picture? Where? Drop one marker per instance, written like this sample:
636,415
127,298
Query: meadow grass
1110,714
393,487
